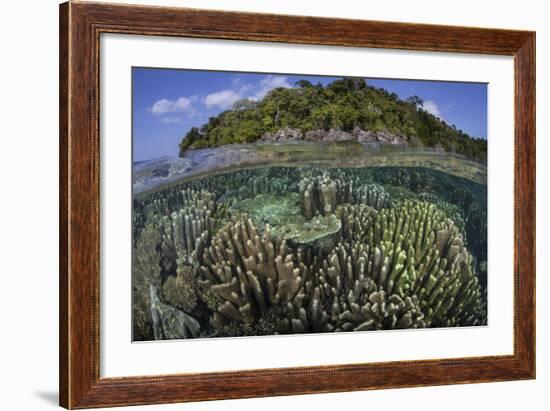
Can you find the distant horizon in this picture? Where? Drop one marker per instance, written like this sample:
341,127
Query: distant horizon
166,103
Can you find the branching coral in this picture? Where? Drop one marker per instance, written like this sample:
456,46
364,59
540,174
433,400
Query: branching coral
165,245
356,221
186,231
373,195
427,257
321,194
248,272
283,250
146,264
452,211
342,295
411,271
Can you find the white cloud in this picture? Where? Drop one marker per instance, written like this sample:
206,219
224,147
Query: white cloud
226,98
268,84
432,108
181,105
223,99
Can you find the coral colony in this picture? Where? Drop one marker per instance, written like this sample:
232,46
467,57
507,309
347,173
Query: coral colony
286,250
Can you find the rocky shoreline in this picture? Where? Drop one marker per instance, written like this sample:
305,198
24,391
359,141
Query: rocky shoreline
332,135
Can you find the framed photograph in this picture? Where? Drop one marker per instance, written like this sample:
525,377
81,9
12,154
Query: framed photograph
258,205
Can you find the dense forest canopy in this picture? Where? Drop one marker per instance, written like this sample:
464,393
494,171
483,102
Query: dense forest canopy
345,105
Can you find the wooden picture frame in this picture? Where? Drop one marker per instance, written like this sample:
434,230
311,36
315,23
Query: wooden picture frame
80,27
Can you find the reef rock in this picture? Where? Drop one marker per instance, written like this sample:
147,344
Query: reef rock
170,323
381,137
284,134
333,135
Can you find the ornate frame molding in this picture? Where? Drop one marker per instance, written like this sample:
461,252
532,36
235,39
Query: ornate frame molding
81,24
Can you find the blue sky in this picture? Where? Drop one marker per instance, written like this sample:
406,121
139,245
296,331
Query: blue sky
167,103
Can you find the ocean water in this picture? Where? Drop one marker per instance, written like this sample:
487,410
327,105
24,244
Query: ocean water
155,173
273,240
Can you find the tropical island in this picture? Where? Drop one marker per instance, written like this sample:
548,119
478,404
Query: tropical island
346,110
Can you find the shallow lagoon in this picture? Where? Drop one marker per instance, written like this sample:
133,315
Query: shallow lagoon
298,238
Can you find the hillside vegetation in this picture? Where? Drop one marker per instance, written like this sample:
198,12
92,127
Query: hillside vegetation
345,105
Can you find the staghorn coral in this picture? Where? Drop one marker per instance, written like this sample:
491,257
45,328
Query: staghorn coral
378,284
427,257
342,295
452,211
247,272
350,255
186,231
373,195
172,198
321,194
412,271
469,197
356,221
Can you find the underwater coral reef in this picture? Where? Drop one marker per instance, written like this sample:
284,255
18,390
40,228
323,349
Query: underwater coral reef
284,250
